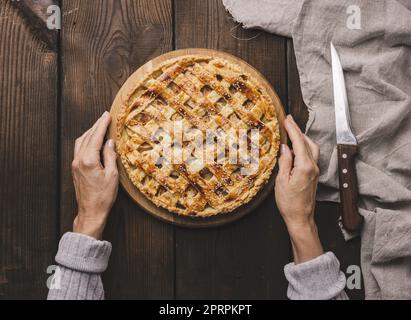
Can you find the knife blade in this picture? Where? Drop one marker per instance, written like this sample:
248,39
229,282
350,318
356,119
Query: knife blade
347,148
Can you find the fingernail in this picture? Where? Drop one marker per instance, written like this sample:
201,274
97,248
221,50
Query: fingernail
290,117
111,143
105,114
283,148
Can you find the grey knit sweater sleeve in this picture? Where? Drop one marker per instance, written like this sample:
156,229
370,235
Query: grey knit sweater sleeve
81,260
317,279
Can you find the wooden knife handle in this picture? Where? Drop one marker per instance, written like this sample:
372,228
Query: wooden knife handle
352,220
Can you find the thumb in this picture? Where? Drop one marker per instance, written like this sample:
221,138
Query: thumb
285,162
110,156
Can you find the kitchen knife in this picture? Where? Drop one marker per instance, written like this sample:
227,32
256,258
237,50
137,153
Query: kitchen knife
347,149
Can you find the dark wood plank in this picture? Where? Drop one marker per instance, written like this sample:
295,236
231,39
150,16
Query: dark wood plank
28,154
347,252
35,11
245,259
296,105
327,213
35,15
103,43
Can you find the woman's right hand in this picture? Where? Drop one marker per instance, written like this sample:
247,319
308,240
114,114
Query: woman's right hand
95,177
295,192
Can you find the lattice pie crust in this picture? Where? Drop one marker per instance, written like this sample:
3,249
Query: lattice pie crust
204,93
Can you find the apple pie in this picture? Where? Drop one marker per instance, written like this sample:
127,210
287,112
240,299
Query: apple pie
203,97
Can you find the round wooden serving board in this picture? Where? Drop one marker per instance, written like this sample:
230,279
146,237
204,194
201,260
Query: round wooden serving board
139,197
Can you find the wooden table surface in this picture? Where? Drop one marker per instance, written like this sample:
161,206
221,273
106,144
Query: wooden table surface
54,85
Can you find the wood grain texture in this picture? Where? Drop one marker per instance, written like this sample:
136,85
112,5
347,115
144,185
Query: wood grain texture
103,43
244,259
296,105
347,252
28,161
139,197
35,16
347,174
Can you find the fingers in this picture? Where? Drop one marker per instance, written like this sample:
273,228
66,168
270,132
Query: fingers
306,152
79,142
285,162
298,141
90,133
314,148
87,147
97,136
110,156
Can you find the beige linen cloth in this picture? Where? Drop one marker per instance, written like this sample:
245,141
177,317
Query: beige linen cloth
373,39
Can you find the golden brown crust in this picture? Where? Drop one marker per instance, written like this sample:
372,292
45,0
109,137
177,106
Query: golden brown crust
204,93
